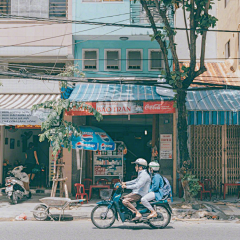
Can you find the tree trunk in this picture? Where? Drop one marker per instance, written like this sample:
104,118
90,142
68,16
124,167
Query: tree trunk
182,126
183,140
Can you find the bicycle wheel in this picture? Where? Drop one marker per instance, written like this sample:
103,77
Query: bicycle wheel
162,220
102,217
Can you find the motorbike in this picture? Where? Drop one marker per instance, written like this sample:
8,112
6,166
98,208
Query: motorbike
17,185
111,208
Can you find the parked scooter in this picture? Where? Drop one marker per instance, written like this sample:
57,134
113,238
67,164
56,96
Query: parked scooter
111,208
17,185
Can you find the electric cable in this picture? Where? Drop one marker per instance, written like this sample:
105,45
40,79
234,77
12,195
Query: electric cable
111,24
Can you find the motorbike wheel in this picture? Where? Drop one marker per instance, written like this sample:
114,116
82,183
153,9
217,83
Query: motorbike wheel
14,198
99,217
41,212
29,195
162,220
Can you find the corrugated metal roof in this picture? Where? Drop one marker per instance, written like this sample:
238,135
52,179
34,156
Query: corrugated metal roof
24,101
213,100
217,73
93,92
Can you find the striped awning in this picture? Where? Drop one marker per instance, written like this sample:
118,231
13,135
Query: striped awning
24,101
93,92
217,107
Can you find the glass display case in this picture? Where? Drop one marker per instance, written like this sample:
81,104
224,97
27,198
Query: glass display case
108,164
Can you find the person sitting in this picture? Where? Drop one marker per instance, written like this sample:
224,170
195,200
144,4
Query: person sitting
139,187
155,191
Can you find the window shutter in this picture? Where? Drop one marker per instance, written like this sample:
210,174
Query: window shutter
92,62
112,60
134,58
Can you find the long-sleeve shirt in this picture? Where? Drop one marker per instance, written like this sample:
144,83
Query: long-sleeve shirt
156,186
141,184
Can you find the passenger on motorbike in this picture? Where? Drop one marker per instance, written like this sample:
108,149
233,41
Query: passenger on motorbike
139,187
155,192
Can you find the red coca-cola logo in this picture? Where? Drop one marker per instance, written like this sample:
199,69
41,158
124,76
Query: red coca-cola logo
153,107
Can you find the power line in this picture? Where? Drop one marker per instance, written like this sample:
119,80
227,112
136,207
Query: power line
109,24
69,44
52,23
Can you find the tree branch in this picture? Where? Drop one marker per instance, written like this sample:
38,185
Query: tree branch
185,22
158,38
204,36
170,35
192,41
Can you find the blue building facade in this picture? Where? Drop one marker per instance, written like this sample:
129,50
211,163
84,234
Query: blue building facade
110,51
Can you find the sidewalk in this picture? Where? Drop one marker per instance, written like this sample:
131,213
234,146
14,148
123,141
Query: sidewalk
226,209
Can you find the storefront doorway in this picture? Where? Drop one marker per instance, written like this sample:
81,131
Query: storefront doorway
135,131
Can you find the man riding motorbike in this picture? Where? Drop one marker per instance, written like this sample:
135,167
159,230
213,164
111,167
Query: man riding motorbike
139,187
155,192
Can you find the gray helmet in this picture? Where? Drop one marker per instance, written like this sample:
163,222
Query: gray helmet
154,165
141,162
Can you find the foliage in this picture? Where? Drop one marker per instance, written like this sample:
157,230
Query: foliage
194,186
70,71
55,128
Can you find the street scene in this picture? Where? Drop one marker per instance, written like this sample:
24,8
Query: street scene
119,118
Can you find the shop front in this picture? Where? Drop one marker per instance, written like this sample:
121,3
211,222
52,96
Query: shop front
141,123
18,127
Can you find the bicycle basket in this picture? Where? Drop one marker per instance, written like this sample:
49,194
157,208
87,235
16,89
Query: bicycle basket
106,194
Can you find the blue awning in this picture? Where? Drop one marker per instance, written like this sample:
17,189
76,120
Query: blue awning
93,92
213,107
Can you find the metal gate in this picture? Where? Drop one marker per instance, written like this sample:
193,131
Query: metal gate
215,153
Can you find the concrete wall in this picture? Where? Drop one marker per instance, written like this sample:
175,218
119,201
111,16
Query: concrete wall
1,151
21,86
181,39
229,18
19,37
97,11
166,165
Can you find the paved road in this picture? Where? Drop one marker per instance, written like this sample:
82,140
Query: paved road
83,229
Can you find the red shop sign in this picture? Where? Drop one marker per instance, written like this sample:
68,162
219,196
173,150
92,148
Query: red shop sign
126,108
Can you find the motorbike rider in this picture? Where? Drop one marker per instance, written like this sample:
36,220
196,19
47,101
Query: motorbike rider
155,192
139,187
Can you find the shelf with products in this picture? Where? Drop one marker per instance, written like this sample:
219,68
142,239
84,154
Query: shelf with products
108,164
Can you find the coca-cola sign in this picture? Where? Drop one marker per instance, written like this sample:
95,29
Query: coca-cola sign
158,107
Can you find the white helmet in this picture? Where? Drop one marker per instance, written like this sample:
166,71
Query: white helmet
141,162
154,165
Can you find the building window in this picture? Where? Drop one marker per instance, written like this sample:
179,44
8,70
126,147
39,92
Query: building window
156,61
112,59
43,8
134,60
226,2
227,49
58,8
90,59
5,6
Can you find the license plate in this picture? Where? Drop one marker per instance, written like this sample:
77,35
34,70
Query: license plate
9,189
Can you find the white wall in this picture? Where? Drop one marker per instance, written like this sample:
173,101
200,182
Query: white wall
181,40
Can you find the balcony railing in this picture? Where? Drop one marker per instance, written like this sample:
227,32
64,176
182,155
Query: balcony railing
139,16
57,8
